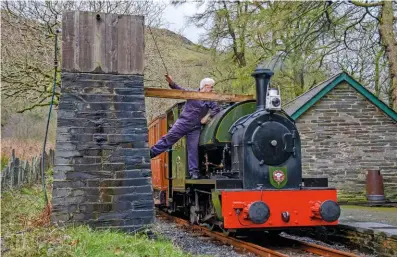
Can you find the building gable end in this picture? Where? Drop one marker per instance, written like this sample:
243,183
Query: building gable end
344,77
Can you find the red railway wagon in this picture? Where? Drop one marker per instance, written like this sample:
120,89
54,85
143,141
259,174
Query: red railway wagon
159,164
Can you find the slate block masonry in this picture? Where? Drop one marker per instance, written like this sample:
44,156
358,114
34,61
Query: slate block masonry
102,173
346,132
343,136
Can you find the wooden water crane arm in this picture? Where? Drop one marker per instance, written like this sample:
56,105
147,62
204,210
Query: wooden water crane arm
195,95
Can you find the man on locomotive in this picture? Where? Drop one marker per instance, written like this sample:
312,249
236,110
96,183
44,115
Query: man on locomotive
195,113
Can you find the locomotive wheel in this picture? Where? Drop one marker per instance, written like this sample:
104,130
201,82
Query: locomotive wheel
273,233
171,208
193,215
210,226
256,234
228,232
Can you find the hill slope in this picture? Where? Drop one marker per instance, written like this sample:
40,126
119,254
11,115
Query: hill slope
186,62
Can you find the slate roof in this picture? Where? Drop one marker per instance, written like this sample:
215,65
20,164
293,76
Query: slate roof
292,106
302,103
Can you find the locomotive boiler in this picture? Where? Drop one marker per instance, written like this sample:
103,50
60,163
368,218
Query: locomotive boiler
251,168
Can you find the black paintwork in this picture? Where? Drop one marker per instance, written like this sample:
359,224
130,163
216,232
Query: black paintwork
252,159
330,211
315,182
258,212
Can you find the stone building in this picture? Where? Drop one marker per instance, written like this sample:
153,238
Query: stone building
346,130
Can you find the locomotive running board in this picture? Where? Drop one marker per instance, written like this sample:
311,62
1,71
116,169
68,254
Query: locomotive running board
315,182
219,183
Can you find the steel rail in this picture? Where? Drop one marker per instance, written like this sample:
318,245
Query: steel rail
318,249
259,250
253,248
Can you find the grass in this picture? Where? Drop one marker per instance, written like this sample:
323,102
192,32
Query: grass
22,236
24,149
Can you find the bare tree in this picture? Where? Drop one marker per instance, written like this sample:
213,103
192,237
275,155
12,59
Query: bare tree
314,37
28,29
386,19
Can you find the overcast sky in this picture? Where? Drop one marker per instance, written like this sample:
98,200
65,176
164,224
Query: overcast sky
176,20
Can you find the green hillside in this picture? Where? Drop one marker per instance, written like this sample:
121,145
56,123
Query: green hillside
186,62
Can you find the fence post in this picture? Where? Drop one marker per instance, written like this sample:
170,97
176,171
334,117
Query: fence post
19,172
12,164
34,170
25,172
52,158
29,176
38,169
9,175
15,172
5,176
46,160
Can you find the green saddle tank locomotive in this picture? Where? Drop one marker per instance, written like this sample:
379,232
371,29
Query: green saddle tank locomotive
250,163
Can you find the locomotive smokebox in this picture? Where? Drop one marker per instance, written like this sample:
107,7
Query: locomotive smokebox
262,77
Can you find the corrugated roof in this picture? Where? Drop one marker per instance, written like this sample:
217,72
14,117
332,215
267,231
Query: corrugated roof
294,105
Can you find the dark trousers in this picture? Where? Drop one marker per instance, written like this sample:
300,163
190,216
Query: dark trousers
192,139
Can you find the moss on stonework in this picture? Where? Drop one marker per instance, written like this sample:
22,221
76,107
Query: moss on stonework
367,208
356,197
361,197
391,195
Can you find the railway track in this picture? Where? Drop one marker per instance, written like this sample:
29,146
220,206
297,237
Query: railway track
256,248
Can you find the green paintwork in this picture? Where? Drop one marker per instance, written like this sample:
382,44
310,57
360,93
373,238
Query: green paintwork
344,77
217,131
283,171
240,110
215,196
179,157
201,181
208,132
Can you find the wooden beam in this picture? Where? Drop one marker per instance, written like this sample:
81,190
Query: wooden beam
102,43
182,94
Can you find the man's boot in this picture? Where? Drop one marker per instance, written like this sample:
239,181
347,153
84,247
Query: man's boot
152,155
194,175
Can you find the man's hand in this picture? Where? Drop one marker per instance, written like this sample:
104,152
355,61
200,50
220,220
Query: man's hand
205,119
169,79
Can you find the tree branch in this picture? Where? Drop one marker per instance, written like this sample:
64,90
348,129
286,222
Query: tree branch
34,106
361,4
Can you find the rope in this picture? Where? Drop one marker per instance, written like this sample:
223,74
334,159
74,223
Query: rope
49,115
165,67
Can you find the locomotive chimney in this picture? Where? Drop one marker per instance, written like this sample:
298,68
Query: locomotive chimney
262,76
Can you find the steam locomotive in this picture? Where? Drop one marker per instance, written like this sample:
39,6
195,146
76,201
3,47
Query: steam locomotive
250,156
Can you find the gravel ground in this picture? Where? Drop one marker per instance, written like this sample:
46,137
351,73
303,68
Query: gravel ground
192,243
351,213
202,245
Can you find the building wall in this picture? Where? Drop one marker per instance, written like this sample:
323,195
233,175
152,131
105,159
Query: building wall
343,135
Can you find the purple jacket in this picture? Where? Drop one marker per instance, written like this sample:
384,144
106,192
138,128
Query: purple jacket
195,110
